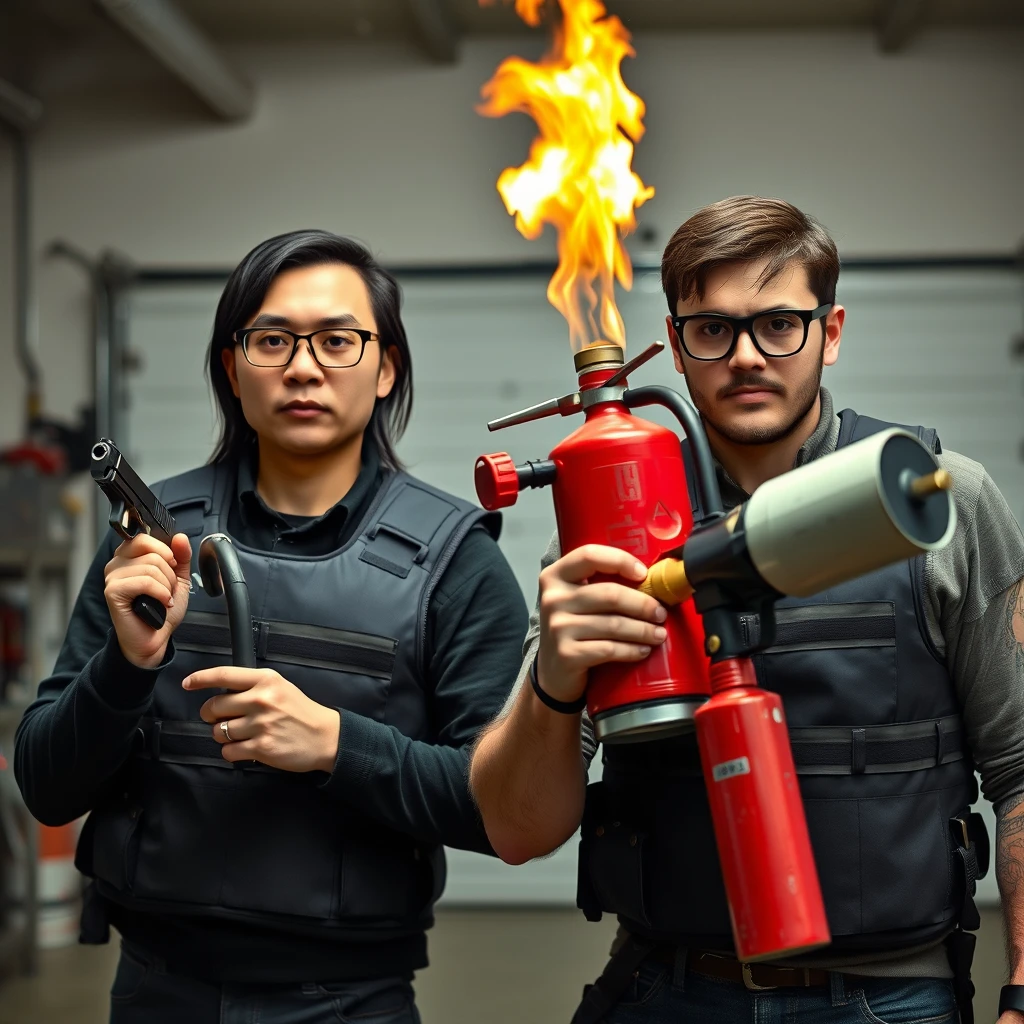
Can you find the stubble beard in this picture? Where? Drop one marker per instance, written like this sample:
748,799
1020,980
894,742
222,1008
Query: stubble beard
804,398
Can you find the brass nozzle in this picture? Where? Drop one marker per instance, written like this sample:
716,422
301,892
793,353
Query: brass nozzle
931,483
601,353
666,581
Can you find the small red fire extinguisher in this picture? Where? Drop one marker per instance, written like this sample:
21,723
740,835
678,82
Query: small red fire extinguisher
774,895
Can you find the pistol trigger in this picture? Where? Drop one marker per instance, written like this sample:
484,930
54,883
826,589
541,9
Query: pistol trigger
133,522
119,518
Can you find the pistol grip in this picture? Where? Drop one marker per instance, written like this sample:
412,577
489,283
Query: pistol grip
150,610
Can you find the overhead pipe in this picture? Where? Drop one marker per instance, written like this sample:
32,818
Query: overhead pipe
17,108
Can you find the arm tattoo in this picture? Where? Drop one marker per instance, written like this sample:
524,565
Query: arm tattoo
1010,876
1015,624
1010,830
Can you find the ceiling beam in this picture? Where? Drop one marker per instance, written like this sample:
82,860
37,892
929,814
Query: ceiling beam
899,21
17,108
186,52
435,26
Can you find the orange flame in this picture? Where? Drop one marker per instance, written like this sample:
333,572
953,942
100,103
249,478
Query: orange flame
578,175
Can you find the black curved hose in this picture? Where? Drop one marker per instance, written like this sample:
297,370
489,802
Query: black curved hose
222,574
704,463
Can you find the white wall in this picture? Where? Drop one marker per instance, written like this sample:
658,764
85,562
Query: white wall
920,152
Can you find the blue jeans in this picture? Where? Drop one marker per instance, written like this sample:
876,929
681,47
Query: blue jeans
145,992
656,996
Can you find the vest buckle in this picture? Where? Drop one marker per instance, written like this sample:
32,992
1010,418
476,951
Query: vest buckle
750,984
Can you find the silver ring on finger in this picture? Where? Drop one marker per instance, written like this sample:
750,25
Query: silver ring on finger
227,734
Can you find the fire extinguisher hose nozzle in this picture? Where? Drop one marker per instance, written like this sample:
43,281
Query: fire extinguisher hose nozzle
666,580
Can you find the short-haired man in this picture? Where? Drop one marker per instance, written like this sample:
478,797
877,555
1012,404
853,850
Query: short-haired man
944,642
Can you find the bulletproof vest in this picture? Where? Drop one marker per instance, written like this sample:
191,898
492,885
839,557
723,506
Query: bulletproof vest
186,832
883,768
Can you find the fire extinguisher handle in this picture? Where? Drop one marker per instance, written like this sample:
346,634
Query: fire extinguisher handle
635,363
707,481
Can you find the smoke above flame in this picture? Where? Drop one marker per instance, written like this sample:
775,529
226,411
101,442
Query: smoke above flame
578,176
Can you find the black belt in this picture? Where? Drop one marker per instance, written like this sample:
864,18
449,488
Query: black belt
751,976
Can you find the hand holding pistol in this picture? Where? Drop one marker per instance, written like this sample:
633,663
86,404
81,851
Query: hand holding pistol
149,572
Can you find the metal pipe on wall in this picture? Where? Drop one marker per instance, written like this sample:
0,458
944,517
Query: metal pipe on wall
21,112
99,334
24,318
110,277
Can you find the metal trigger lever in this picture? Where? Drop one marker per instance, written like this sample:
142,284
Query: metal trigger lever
635,363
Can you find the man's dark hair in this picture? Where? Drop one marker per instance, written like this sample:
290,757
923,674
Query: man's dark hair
746,229
242,297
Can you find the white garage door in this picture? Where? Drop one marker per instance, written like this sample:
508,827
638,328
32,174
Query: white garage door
920,347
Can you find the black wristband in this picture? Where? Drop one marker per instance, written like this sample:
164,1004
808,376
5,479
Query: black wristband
561,706
1011,997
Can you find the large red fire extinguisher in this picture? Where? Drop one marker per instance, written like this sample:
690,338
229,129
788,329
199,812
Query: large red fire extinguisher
620,481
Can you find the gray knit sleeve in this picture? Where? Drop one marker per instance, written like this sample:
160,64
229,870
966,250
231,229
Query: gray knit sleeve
969,587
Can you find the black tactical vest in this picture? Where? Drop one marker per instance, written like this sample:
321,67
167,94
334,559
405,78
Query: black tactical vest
186,832
883,765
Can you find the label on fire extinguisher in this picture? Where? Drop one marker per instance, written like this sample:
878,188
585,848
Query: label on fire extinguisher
727,769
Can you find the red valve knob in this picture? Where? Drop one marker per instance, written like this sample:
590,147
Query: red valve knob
497,482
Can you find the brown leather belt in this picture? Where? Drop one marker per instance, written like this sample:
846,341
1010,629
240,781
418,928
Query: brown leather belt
754,977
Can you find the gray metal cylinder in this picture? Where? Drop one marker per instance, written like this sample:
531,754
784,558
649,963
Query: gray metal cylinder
846,515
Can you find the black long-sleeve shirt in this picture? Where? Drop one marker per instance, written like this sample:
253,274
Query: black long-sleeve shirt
79,732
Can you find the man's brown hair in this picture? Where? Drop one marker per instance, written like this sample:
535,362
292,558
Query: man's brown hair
745,229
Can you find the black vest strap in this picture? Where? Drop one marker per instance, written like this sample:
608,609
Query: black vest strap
191,497
188,743
915,746
691,478
292,642
196,487
401,536
828,626
854,427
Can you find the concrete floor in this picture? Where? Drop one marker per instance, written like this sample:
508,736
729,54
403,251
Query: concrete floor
498,966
